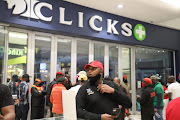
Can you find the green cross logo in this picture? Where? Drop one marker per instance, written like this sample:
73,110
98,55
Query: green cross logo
139,32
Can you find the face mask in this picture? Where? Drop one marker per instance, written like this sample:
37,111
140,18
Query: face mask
125,81
93,80
28,80
40,84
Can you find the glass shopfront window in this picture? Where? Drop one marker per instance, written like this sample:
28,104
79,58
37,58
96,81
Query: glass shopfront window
150,62
113,61
126,70
64,56
99,52
42,58
17,54
82,55
2,48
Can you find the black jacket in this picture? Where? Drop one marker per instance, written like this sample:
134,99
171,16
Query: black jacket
91,103
37,99
49,89
147,100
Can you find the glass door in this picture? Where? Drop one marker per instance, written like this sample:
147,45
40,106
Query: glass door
148,62
42,59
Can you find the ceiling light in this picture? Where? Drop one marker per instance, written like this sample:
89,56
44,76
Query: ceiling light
120,6
175,3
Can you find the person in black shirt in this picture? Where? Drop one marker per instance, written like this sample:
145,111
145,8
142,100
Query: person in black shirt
97,98
6,103
147,100
122,114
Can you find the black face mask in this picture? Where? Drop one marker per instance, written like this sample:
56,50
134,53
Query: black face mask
125,81
40,84
93,80
28,81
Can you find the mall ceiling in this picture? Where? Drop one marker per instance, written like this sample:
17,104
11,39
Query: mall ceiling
158,12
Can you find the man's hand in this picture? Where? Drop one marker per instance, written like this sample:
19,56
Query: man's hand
1,117
105,89
16,102
107,117
137,96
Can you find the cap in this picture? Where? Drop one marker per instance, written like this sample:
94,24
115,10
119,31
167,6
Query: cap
59,73
94,64
154,77
38,80
25,76
81,73
125,76
148,80
82,77
61,79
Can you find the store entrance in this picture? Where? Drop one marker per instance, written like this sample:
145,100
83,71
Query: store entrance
150,62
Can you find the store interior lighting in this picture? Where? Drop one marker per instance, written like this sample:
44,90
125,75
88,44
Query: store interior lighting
12,34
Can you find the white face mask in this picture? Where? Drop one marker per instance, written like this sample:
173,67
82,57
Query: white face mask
168,84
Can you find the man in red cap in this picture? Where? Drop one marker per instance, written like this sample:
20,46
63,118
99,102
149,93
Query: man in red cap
97,98
49,89
147,100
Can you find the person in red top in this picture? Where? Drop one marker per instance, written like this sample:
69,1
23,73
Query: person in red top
172,109
56,97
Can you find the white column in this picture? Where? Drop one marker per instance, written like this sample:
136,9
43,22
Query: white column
91,51
133,80
120,63
73,60
106,60
174,62
53,65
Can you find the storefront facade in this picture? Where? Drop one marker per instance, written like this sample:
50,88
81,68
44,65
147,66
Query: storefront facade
50,36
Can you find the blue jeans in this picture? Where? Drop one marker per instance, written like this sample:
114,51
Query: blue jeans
160,112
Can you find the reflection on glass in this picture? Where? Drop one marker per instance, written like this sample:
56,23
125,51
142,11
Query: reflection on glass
17,54
151,62
113,61
82,54
126,64
99,52
64,56
2,48
42,59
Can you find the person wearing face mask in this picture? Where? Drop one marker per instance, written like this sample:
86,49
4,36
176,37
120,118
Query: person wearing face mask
147,100
125,84
37,99
22,101
96,99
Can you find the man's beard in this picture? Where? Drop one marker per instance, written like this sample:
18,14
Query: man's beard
93,80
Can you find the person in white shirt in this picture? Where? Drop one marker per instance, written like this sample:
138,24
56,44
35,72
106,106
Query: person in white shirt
82,80
173,88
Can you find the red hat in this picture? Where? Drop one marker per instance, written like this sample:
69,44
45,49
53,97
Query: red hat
59,73
94,64
125,76
148,80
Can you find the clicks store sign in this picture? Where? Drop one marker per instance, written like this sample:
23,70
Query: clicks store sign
33,9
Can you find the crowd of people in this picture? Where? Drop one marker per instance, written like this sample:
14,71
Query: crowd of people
96,97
